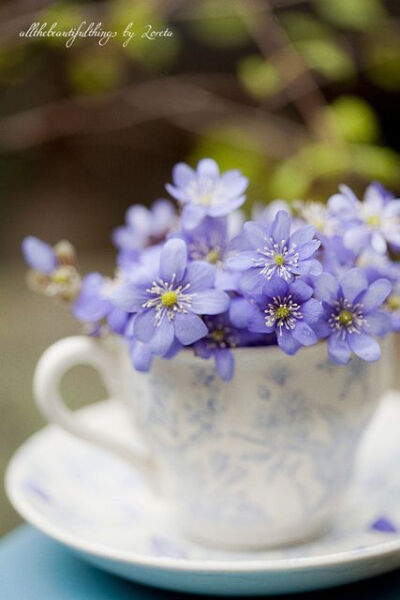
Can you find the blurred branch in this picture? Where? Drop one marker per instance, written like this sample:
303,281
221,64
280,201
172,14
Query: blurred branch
301,89
148,101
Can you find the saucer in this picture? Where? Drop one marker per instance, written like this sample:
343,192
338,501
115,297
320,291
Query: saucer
98,506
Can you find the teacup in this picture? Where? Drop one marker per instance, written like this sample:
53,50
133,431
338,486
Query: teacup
261,461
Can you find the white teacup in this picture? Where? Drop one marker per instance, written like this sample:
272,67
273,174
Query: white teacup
260,461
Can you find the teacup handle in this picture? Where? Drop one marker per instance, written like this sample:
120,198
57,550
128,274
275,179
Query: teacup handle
53,364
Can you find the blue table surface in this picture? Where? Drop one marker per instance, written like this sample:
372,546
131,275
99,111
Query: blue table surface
34,567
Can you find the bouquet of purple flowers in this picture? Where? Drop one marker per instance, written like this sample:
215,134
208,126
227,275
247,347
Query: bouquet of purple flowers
204,279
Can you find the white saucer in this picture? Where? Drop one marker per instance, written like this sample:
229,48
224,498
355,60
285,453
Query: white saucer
98,507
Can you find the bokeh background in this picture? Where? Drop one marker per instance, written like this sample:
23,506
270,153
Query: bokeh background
300,95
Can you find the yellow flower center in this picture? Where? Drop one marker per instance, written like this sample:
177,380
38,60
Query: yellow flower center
345,317
393,302
282,312
218,335
169,298
213,256
61,276
374,221
279,260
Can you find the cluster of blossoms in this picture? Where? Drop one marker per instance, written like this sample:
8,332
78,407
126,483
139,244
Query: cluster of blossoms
205,279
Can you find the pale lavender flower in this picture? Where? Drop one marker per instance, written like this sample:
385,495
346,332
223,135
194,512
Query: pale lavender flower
374,222
39,255
205,191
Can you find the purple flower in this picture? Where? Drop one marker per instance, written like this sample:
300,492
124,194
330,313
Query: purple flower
39,255
288,310
144,227
205,191
373,222
274,252
93,305
168,306
221,338
209,242
352,314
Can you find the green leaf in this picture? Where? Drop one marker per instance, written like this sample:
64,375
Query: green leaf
217,23
327,57
302,26
362,15
384,62
12,64
258,77
353,120
289,181
94,72
375,162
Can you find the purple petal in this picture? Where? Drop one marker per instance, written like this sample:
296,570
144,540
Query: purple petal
163,337
39,255
141,356
242,260
326,287
277,286
281,226
308,249
207,167
210,302
224,363
129,297
312,310
90,308
378,242
338,350
252,282
117,320
144,325
220,210
192,215
376,294
356,238
383,524
239,312
302,235
353,283
287,342
182,175
256,321
378,323
173,260
189,328
255,234
233,182
303,334
200,275
364,346
301,291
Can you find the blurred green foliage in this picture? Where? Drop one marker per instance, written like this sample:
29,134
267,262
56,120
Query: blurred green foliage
324,42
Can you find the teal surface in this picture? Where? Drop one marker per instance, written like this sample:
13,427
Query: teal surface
33,567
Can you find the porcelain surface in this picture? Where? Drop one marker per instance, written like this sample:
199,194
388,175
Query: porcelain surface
100,508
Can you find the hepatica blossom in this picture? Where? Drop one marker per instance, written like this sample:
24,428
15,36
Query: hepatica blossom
205,191
328,273
374,222
274,251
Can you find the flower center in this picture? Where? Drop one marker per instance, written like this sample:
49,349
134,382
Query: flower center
374,221
393,302
347,318
277,259
169,298
213,256
218,335
282,312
